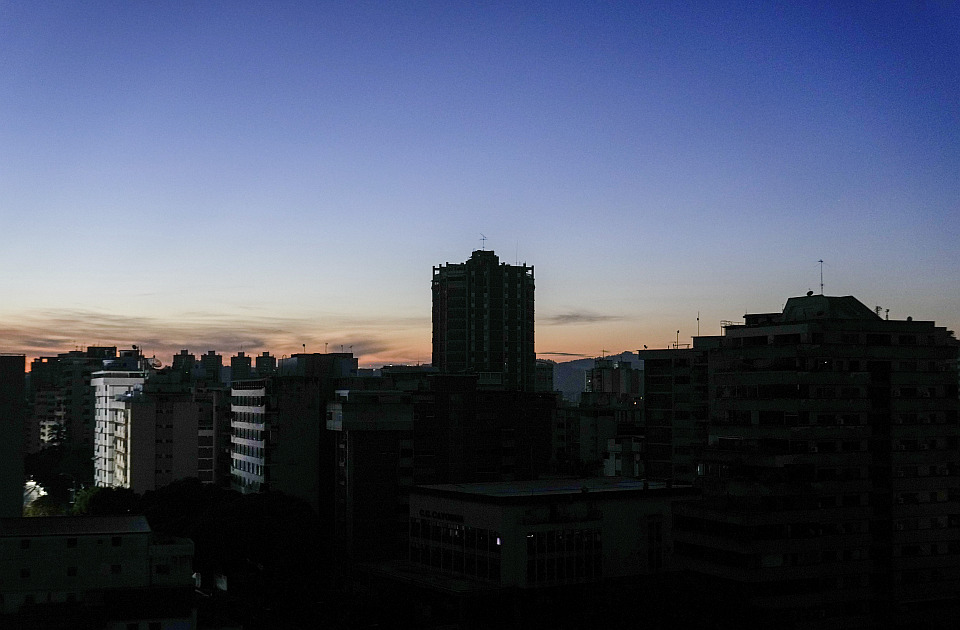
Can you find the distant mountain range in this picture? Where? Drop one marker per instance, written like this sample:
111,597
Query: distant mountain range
569,376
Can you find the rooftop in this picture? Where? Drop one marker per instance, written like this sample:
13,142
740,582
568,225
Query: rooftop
826,307
73,526
553,487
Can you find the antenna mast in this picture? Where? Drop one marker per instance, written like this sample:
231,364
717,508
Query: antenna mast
483,242
821,275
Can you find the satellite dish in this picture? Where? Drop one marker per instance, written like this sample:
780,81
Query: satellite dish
155,363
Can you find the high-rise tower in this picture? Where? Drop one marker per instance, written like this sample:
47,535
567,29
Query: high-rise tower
483,321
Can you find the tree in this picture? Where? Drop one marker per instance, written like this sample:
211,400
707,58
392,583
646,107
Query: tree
47,505
97,501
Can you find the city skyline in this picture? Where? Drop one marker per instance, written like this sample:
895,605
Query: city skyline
253,176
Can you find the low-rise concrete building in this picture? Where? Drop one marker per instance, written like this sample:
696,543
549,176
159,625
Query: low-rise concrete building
98,571
542,533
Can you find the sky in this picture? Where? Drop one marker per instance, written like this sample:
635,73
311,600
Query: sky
280,176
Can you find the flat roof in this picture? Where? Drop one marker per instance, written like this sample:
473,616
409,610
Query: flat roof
73,526
553,487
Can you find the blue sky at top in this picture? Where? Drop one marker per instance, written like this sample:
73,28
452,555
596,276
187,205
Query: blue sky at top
270,174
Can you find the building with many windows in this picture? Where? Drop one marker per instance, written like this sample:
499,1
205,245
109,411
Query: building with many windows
675,409
62,399
483,321
831,466
118,377
542,533
278,427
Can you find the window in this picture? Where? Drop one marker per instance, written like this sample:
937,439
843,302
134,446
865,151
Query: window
115,569
116,541
71,542
71,571
25,573
25,543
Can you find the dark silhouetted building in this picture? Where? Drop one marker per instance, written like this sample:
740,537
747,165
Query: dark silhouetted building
675,409
13,402
240,367
483,321
374,437
265,364
544,375
278,428
211,367
610,376
609,407
62,399
543,533
831,467
447,430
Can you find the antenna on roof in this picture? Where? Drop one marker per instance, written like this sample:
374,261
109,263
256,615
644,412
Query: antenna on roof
483,242
821,275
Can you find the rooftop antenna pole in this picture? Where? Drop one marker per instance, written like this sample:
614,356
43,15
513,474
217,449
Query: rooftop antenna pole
483,242
821,275
698,323
678,340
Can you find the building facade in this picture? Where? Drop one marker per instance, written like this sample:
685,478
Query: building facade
675,409
93,572
483,321
831,468
117,378
62,399
278,427
542,533
12,415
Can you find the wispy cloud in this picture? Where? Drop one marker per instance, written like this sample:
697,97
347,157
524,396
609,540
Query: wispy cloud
578,317
563,354
46,332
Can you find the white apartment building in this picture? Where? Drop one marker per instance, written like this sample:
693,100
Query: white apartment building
110,384
248,434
